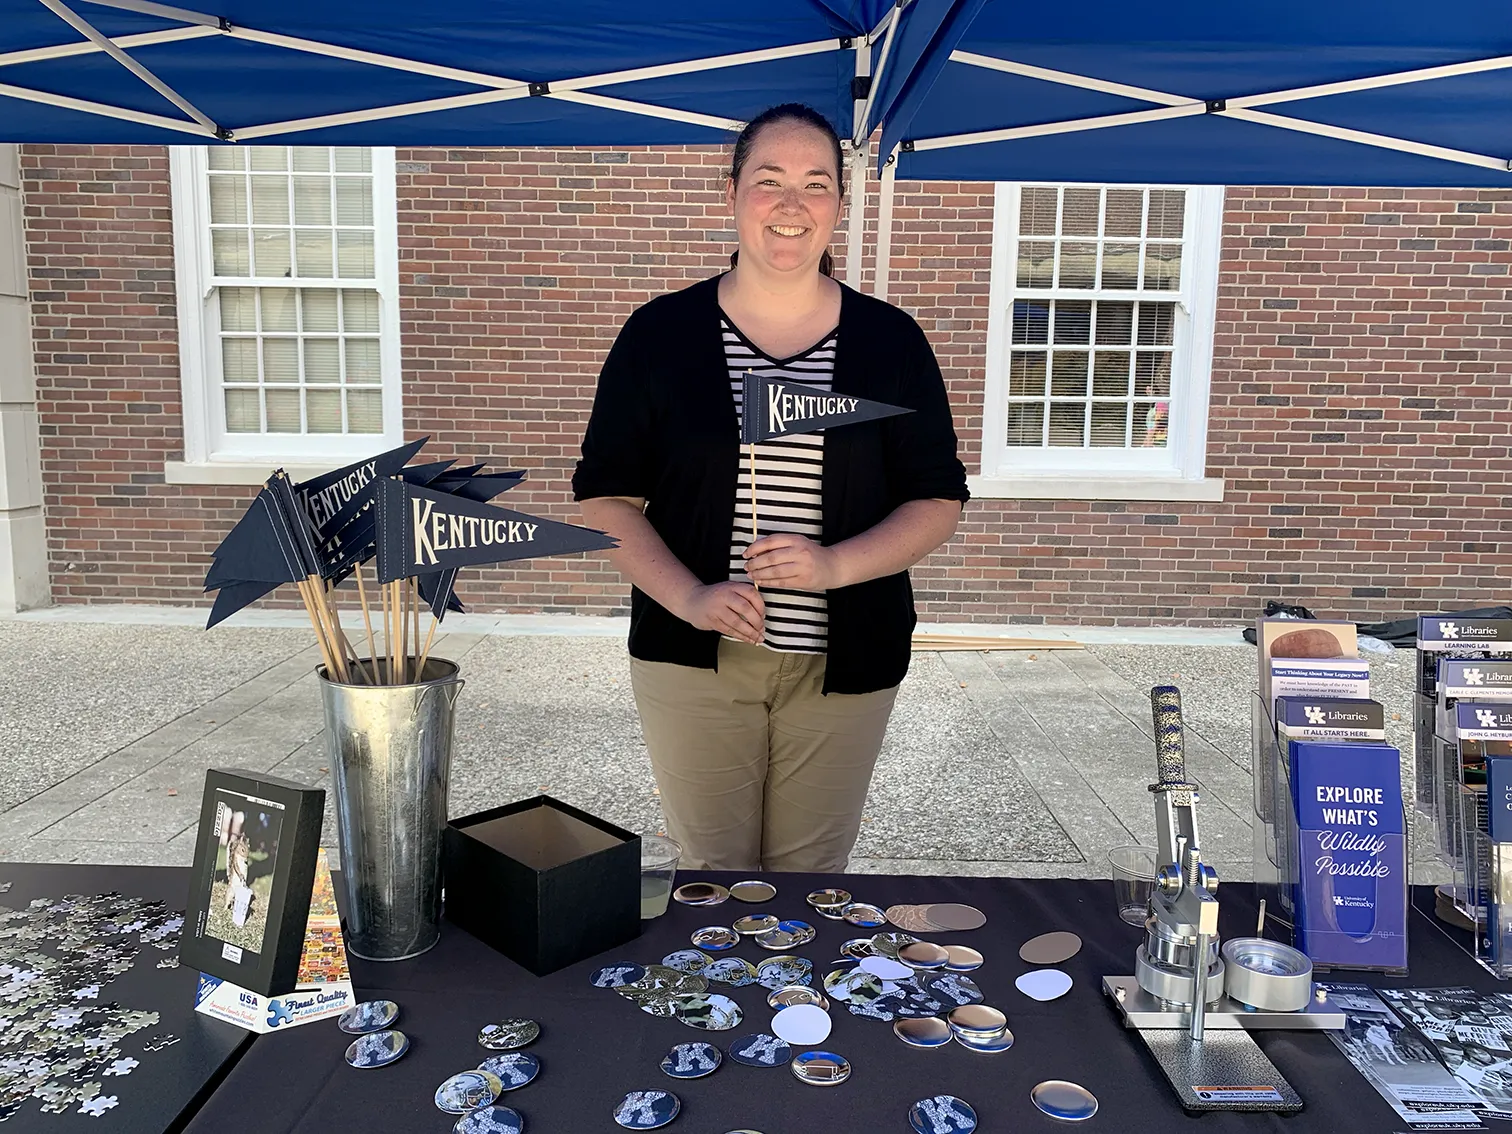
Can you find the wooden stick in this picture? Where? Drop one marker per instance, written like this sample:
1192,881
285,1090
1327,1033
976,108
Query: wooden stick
325,650
425,654
394,634
316,586
416,583
754,583
388,633
367,620
328,602
404,621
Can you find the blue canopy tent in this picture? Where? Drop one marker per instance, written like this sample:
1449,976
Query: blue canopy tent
1294,92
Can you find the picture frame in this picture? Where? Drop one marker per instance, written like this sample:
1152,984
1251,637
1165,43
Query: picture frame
254,868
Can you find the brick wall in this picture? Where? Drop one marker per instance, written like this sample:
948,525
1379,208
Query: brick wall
1361,398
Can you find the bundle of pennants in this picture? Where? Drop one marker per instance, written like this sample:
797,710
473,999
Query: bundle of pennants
421,523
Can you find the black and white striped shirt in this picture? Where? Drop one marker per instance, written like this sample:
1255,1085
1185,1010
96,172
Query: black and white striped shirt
789,477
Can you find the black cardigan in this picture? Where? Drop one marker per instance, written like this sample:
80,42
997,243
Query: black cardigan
664,429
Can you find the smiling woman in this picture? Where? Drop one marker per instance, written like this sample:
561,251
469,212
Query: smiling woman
766,656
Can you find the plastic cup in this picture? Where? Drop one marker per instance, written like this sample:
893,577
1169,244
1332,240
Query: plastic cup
1133,881
659,857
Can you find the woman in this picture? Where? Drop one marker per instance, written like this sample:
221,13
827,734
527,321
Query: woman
764,671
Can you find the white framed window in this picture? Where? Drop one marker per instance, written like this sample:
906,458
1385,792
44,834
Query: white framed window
287,275
1100,341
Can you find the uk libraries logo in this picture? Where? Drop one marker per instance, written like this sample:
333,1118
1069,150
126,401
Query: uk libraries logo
1449,629
1486,717
1315,715
1474,677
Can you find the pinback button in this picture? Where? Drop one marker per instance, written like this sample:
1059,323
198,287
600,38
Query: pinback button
796,994
468,1090
923,955
829,899
779,972
716,938
711,1013
942,1114
821,1068
864,915
612,976
701,894
490,1120
761,1050
514,1069
976,1021
507,1035
962,959
377,1049
752,924
692,1060
369,1016
737,972
687,960
754,890
988,1045
646,1110
928,1031
1070,1102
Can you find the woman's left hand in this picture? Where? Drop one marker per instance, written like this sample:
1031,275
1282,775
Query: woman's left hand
792,562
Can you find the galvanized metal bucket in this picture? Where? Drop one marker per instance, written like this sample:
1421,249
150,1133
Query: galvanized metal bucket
390,749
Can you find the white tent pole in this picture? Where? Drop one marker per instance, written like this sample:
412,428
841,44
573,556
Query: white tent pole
1381,141
1076,125
864,116
105,110
855,235
1066,78
68,50
648,110
885,225
100,40
167,11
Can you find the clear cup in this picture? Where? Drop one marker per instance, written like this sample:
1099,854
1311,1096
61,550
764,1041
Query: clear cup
1133,881
659,856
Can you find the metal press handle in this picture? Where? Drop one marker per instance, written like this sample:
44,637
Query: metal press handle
1170,749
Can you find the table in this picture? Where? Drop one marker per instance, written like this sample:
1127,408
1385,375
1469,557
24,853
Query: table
595,1046
167,1085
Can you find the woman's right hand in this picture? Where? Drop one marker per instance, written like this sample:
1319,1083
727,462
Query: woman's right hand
731,608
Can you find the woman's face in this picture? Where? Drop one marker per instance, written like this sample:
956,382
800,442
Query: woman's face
787,201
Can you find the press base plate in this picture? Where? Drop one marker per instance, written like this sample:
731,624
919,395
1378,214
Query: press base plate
1226,1071
1141,1010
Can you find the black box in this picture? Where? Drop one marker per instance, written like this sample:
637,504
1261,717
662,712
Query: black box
259,837
545,884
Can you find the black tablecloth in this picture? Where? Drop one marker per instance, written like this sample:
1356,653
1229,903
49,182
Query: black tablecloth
595,1046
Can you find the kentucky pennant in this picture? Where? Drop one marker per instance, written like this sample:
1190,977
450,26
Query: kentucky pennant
421,531
233,596
436,591
266,546
332,499
483,487
771,407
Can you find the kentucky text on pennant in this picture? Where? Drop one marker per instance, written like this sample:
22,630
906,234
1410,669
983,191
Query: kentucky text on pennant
784,406
323,505
435,531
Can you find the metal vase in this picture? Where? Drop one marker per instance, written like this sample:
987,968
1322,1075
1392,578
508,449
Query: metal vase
390,749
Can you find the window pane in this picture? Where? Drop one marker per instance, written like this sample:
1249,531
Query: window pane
313,247
278,310
352,159
270,200
312,200
227,157
323,411
1068,375
362,364
1073,321
1068,422
354,255
1152,374
280,363
1037,212
228,199
239,360
1115,323
1153,422
319,305
1167,213
1026,374
1163,267
238,309
1078,264
1031,322
283,411
228,252
312,159
1026,424
243,410
359,309
322,361
270,157
1110,424
1120,267
1156,324
364,411
271,251
1079,212
1110,374
1125,212
1036,263
354,200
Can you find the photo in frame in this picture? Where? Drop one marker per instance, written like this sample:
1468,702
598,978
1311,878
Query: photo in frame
254,868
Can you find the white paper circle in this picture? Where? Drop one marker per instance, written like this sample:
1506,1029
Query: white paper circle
802,1025
886,968
1044,984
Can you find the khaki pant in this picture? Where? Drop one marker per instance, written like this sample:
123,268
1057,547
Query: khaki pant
757,768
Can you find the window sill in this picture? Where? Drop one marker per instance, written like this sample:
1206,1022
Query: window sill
239,472
1129,487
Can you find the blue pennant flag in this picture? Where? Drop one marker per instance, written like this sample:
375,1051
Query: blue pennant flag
436,591
234,596
774,407
271,543
421,532
333,498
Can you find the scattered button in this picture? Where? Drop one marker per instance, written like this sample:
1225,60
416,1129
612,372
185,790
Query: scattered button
761,1050
692,1060
467,1091
514,1069
754,890
962,958
864,915
752,924
646,1110
369,1016
507,1035
929,1031
717,938
1068,1101
821,1068
612,976
377,1049
490,1120
701,894
942,1114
